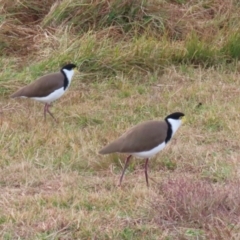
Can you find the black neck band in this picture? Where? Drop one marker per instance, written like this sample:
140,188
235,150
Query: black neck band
65,81
169,131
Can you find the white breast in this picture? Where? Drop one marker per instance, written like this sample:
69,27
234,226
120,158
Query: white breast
51,97
150,153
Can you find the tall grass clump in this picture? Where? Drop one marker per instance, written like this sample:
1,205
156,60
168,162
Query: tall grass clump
95,15
25,11
183,32
200,52
231,48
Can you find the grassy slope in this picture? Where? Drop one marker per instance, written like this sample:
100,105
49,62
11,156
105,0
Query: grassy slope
53,183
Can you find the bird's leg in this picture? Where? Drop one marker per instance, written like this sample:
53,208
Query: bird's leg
125,167
146,173
46,109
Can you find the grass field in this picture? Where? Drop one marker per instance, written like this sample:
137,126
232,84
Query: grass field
138,60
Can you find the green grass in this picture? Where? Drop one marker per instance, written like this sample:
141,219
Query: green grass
138,60
56,173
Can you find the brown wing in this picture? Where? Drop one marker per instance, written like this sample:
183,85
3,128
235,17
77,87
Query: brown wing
142,137
42,87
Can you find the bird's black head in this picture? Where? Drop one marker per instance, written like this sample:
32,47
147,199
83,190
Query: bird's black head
176,116
69,66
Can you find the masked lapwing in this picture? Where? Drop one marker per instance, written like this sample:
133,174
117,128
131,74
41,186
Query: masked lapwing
145,140
48,88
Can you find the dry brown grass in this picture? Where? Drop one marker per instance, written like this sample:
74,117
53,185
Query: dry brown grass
54,185
27,28
199,206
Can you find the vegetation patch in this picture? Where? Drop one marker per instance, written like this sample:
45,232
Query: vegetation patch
138,60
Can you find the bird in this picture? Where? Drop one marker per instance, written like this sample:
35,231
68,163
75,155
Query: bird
48,88
146,139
